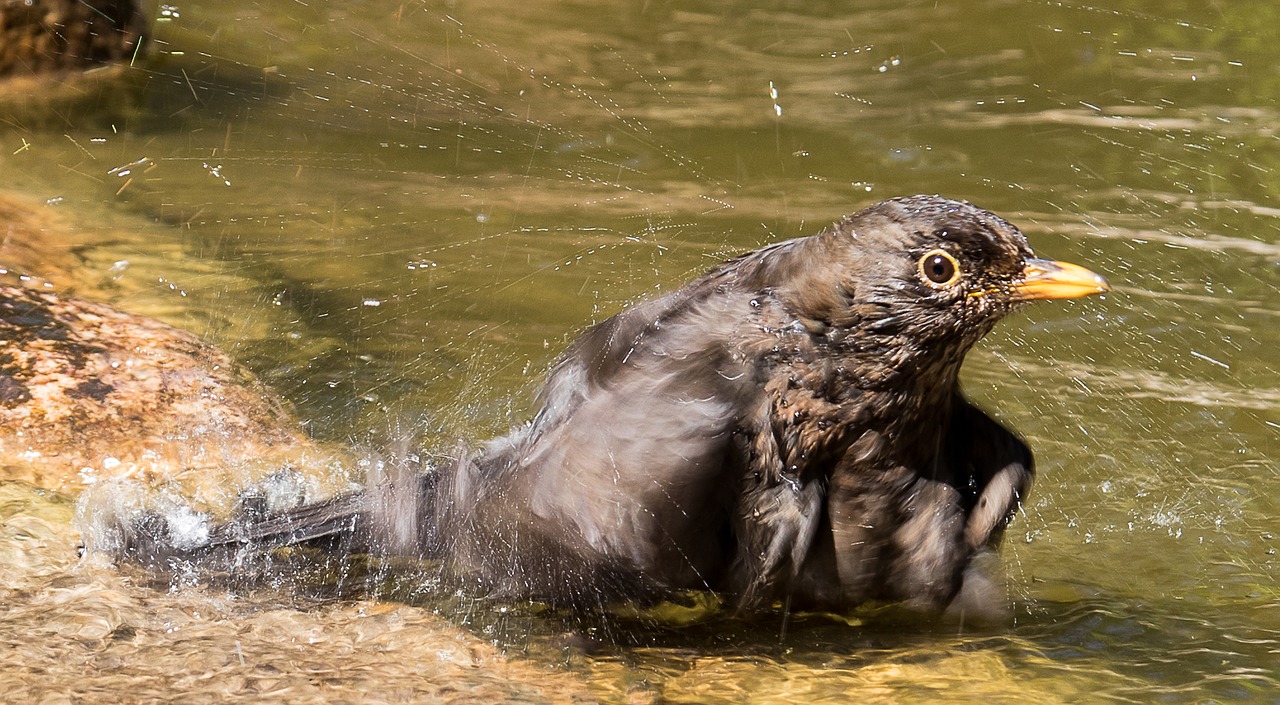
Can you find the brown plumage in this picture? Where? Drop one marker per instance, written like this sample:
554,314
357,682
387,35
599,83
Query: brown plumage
787,426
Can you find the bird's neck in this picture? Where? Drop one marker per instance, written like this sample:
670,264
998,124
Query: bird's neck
828,399
912,415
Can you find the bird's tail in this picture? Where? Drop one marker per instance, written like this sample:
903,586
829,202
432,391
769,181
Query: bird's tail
394,515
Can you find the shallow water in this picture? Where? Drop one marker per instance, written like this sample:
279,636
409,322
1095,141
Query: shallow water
414,206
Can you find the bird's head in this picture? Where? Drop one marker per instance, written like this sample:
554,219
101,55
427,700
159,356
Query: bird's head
919,280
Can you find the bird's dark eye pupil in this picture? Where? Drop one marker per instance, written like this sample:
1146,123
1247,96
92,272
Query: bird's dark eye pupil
939,269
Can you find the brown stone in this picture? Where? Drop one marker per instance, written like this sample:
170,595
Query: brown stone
89,392
50,36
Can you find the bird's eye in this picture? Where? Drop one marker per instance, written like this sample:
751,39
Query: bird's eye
938,268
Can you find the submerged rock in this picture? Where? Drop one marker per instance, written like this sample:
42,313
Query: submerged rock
80,632
25,245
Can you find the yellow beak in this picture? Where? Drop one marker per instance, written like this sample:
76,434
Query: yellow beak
1047,279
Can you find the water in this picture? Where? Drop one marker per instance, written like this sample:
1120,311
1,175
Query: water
414,206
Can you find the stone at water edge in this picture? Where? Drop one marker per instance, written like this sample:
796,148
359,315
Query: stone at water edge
90,393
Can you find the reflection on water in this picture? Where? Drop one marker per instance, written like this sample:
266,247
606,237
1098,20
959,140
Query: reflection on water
393,209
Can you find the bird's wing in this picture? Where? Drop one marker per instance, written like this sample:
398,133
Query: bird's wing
628,464
1000,467
775,520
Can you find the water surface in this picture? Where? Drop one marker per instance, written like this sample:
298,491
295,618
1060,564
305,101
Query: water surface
405,210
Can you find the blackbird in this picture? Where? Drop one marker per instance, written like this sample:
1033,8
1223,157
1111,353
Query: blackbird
787,427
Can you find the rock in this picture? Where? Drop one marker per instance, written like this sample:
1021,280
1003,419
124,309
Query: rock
89,392
52,36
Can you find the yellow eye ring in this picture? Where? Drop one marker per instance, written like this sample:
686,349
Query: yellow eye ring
939,269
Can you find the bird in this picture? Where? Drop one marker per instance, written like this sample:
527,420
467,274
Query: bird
787,428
